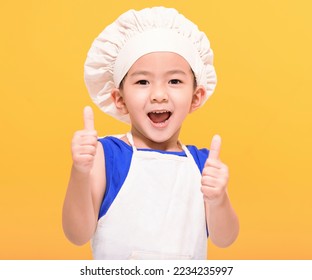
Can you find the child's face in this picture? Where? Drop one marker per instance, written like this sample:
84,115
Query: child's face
158,93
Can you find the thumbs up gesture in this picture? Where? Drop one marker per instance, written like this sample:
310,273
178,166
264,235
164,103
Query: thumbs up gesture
215,174
84,143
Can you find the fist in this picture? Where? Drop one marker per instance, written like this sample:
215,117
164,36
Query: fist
84,143
215,175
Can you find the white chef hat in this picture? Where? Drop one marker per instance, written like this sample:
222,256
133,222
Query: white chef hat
136,33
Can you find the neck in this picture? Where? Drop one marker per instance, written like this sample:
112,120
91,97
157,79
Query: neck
141,142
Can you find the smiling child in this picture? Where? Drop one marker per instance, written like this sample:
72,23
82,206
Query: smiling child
145,195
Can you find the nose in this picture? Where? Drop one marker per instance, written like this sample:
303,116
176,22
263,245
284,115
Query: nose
158,95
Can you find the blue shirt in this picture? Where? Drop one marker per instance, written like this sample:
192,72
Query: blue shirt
118,155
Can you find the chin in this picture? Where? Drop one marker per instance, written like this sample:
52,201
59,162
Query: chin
164,137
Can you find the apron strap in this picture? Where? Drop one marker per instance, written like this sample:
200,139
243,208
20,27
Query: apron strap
130,139
186,150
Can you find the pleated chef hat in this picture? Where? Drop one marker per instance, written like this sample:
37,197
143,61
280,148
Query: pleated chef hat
136,33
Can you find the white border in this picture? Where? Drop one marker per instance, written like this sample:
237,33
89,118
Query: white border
69,269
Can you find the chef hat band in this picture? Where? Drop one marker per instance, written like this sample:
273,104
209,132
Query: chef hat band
154,40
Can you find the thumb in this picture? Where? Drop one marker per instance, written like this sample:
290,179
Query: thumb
88,118
215,147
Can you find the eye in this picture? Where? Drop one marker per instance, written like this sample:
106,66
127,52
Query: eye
142,82
175,81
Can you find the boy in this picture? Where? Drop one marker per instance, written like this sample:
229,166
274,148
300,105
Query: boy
144,195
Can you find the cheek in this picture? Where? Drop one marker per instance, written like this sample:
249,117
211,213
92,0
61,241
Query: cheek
184,101
134,102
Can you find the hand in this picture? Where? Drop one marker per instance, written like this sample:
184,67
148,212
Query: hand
215,175
84,143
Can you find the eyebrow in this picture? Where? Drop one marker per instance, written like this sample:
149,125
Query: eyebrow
143,72
177,71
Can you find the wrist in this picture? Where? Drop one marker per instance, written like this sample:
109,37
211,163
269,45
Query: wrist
80,173
217,202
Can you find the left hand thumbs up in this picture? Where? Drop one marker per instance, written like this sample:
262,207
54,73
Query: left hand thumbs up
215,174
215,148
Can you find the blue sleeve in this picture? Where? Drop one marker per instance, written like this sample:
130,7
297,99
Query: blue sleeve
118,157
200,156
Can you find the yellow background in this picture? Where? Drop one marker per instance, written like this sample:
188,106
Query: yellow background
261,108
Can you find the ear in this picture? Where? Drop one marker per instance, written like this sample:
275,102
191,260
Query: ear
119,101
198,98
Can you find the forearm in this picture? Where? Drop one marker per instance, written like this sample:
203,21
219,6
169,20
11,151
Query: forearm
79,218
223,225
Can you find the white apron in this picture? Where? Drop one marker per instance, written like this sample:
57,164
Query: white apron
157,214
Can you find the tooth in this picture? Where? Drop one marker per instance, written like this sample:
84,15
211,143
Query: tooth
160,112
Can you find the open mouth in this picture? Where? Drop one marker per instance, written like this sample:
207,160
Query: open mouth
159,117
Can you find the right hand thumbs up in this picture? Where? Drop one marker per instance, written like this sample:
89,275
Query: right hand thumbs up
88,118
84,143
